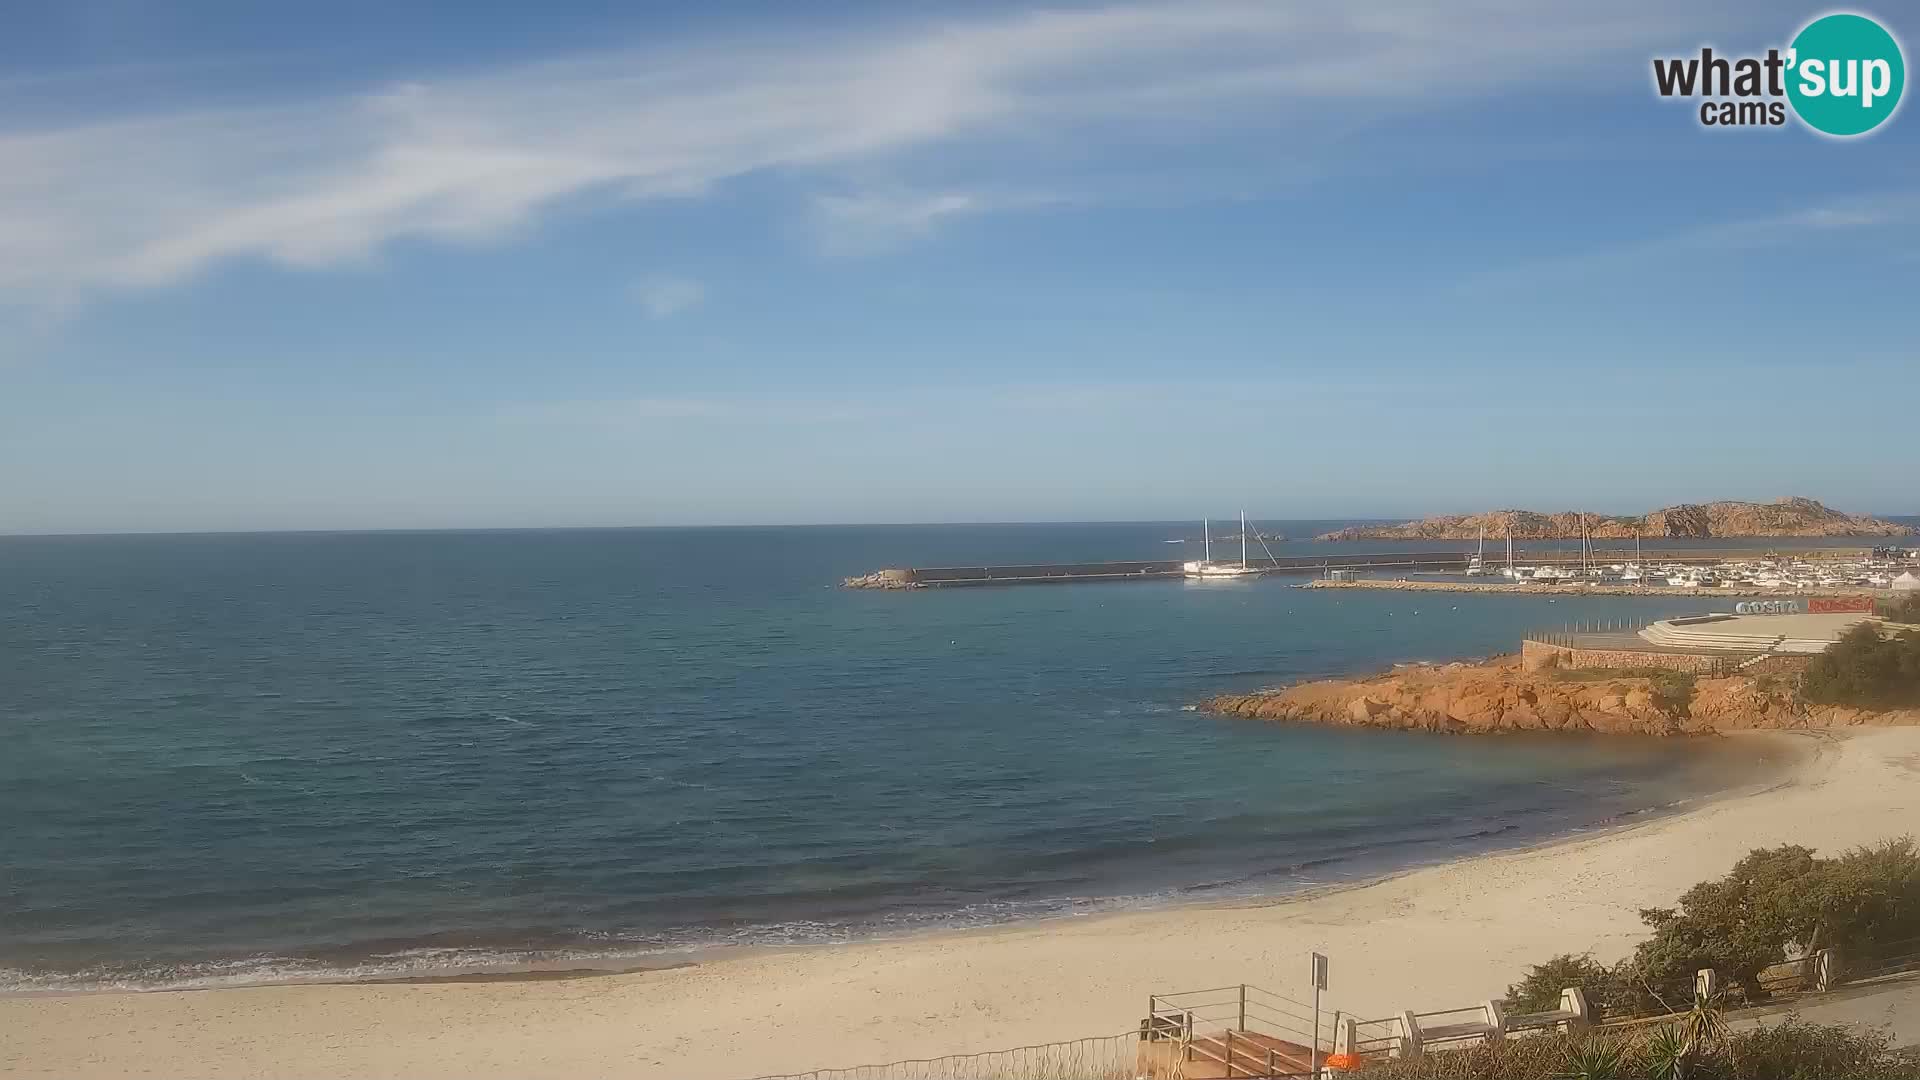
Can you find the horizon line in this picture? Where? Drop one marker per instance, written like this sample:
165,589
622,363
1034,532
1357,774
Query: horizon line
428,529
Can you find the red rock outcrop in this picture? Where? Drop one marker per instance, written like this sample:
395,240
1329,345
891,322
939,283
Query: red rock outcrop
1499,696
1782,517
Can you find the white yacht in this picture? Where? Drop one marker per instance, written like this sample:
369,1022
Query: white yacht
1207,569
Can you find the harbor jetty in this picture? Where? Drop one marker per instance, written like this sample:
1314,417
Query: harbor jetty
934,577
1384,570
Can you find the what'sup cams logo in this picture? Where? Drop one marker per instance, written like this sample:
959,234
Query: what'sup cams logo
1842,76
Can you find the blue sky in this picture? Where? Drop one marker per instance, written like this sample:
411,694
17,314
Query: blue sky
434,265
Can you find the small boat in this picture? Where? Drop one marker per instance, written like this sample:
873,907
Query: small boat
1476,566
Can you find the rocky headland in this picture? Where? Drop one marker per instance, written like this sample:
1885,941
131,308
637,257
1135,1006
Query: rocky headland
1783,517
1498,696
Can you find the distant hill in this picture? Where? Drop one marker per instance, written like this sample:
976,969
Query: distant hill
1783,517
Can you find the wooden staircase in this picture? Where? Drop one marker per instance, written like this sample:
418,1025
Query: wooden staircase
1229,1033
1236,1055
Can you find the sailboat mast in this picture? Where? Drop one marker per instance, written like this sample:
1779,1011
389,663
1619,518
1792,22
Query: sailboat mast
1206,538
1243,539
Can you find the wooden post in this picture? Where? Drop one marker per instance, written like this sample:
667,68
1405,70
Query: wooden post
1409,1034
1496,1020
1243,1006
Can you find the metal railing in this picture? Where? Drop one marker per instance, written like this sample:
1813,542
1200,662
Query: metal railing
1249,1033
1373,1039
1245,1030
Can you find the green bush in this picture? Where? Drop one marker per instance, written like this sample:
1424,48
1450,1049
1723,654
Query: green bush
1539,990
1774,903
1867,669
1798,1051
1906,609
1787,1051
1673,692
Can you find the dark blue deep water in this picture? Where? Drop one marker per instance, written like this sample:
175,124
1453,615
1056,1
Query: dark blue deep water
238,757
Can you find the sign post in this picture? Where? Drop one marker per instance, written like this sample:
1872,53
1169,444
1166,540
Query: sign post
1319,984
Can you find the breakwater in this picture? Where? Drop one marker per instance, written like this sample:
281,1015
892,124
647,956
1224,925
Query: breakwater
1428,562
934,577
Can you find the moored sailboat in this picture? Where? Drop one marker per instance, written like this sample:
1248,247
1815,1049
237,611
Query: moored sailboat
1208,569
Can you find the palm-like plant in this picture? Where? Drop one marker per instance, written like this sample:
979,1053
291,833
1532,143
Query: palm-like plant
1674,1050
1594,1059
1665,1054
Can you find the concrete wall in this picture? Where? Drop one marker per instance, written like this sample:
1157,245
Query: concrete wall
1540,656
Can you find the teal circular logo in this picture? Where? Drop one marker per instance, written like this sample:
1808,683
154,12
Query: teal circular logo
1845,74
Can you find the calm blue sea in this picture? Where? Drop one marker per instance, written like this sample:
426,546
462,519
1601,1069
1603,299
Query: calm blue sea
235,758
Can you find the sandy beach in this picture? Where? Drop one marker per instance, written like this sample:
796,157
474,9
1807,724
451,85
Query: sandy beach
1441,936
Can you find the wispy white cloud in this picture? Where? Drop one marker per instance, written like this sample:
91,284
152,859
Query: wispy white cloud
876,220
879,221
1860,215
148,199
662,296
730,408
1008,400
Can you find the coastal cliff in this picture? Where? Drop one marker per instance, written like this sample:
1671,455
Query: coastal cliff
1499,696
1783,517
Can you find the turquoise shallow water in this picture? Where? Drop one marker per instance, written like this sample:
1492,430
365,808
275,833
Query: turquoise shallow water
237,758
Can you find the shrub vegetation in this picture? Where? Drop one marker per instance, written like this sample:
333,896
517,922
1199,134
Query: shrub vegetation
1906,609
1868,669
1774,904
1788,1051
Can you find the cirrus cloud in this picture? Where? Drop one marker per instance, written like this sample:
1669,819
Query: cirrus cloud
148,199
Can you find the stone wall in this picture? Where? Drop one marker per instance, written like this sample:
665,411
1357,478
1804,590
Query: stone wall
1779,664
1541,656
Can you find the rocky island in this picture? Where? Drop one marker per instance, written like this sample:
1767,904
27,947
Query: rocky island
1500,695
1783,517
